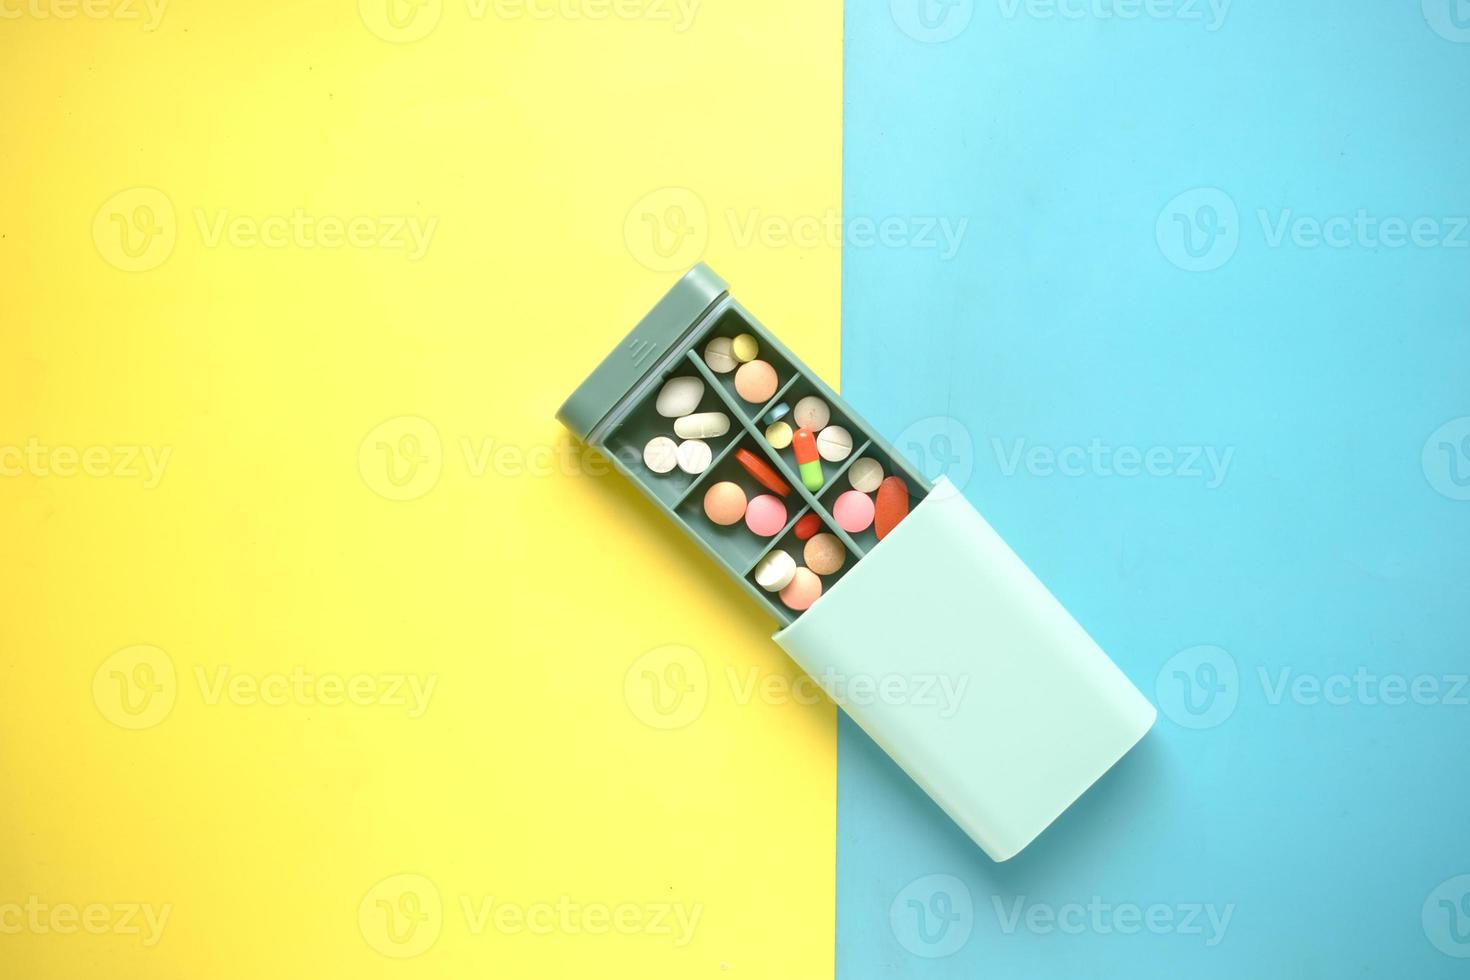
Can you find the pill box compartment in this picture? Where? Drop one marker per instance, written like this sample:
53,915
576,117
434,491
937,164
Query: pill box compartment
893,465
643,422
736,545
795,547
731,322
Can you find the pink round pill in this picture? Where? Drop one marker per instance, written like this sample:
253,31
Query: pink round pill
765,516
854,511
804,590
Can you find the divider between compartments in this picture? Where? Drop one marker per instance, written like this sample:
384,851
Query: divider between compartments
776,398
841,470
774,457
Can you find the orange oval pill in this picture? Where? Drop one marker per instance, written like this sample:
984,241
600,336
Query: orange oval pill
808,525
762,472
892,507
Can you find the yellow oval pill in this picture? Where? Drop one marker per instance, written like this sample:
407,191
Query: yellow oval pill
778,434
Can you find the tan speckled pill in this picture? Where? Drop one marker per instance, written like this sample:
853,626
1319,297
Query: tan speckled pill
824,554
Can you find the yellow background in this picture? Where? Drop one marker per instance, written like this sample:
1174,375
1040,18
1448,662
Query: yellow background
536,594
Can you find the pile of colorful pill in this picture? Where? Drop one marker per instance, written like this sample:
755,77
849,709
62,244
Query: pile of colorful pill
755,379
678,399
812,440
858,509
801,585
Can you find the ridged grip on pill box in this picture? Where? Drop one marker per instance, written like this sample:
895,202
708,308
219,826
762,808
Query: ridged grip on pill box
1025,710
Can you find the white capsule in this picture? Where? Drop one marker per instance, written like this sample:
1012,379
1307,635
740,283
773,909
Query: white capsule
775,571
679,396
702,425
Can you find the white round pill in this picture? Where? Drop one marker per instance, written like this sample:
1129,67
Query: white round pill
834,443
720,355
661,454
865,474
775,571
812,413
679,396
702,425
694,456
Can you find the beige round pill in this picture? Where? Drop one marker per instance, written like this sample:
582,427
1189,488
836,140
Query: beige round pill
745,348
824,554
724,503
779,434
755,381
720,356
812,413
865,474
834,443
661,454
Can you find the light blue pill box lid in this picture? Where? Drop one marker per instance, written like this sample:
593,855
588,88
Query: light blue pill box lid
1024,710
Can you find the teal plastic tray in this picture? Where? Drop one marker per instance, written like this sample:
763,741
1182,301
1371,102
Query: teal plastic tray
613,411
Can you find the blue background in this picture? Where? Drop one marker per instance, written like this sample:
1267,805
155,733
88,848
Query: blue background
1081,150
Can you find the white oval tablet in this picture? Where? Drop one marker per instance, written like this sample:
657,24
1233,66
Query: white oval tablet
812,413
775,571
694,456
865,474
702,425
834,443
720,356
661,454
679,396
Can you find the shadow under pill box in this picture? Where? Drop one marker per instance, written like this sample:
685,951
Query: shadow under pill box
879,580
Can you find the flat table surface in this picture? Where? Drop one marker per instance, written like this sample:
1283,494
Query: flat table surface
1180,296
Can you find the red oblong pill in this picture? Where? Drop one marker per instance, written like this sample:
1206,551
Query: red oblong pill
762,472
892,506
808,526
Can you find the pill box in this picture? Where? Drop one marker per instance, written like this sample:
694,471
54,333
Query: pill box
1040,713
